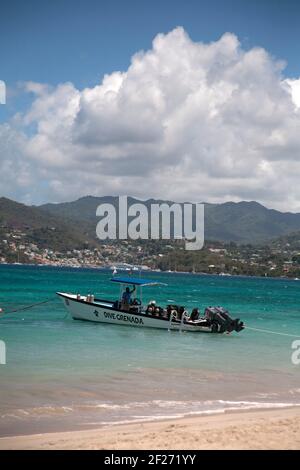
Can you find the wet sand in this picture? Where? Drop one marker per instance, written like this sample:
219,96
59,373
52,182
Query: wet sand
271,429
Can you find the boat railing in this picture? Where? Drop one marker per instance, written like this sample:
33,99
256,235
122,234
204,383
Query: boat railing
182,321
172,317
170,321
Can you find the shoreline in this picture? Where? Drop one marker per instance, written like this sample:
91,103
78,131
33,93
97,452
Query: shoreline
259,429
105,268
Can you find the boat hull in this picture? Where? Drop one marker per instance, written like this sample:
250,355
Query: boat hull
103,312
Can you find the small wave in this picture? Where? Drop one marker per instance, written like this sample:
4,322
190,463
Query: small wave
135,411
38,411
246,406
267,395
142,419
294,391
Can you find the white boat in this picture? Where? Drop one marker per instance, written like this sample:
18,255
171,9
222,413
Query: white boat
89,308
124,267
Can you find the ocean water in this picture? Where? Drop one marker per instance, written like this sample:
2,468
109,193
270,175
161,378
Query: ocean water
63,374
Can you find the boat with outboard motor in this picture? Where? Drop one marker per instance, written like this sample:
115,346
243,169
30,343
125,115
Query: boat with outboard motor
134,313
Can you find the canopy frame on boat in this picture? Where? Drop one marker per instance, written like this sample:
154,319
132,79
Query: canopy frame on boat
135,281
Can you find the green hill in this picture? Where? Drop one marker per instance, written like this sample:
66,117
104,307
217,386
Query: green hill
73,224
242,222
40,227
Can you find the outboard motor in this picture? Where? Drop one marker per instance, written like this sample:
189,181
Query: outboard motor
235,324
221,320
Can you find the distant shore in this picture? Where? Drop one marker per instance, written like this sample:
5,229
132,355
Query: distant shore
108,268
271,429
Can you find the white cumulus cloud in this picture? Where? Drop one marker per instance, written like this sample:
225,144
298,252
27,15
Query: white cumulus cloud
185,121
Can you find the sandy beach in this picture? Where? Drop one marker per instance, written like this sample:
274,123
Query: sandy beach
272,429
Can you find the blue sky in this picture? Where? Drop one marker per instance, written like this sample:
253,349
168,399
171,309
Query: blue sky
80,40
59,142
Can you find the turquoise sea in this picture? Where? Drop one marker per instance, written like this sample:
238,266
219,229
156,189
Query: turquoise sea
63,374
